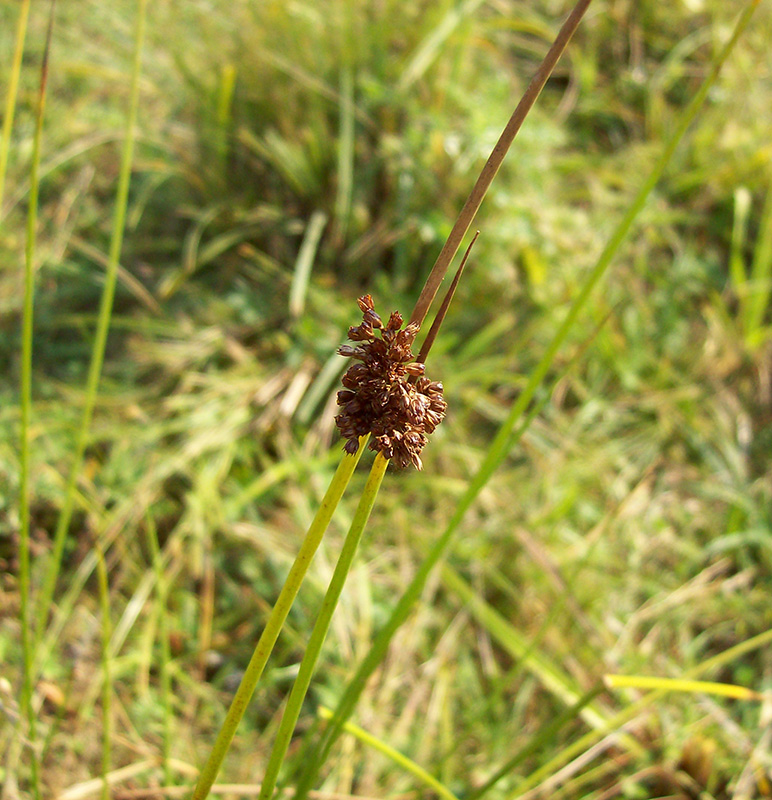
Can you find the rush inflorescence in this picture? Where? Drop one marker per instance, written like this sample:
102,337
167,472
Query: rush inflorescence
387,394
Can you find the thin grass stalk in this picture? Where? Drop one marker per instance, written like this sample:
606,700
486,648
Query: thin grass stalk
505,437
276,620
103,325
13,89
322,625
27,643
760,276
107,680
624,716
544,736
395,756
495,160
163,634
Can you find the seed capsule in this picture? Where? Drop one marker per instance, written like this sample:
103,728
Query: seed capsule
379,397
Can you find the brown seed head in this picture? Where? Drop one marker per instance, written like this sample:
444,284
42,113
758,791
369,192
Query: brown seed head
379,397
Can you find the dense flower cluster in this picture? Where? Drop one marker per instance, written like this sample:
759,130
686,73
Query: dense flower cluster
386,393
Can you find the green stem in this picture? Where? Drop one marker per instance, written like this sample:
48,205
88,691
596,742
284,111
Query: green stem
504,439
761,277
26,409
322,625
394,755
276,621
103,325
107,686
163,633
13,88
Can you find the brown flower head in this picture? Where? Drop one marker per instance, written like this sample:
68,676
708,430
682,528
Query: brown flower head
386,392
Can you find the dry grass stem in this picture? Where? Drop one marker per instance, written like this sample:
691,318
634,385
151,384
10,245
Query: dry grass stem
494,162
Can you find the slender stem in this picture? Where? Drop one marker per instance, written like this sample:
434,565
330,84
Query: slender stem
503,440
276,621
394,755
760,276
163,633
548,734
26,408
107,684
477,195
13,88
444,306
103,325
322,625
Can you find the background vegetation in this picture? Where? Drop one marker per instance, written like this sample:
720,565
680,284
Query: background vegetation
629,531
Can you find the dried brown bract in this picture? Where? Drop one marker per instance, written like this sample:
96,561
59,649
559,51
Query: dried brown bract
380,398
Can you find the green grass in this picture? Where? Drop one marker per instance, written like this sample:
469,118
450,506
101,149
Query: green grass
625,531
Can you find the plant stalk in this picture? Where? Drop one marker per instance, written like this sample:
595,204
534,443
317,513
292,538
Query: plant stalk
13,89
496,158
103,325
276,621
27,642
322,625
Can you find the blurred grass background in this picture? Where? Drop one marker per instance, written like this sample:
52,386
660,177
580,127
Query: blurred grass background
289,158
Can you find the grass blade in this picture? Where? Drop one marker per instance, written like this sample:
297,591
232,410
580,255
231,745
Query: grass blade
107,686
682,685
322,625
13,89
302,274
394,755
624,716
27,642
547,735
505,437
103,325
761,276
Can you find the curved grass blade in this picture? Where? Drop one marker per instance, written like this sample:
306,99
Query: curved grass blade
394,755
103,325
624,716
547,735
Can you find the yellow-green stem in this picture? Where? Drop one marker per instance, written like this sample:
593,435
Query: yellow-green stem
589,739
276,620
163,633
26,408
394,755
107,684
322,625
103,325
10,98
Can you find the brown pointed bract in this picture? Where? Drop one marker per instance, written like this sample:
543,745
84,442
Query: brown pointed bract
386,393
